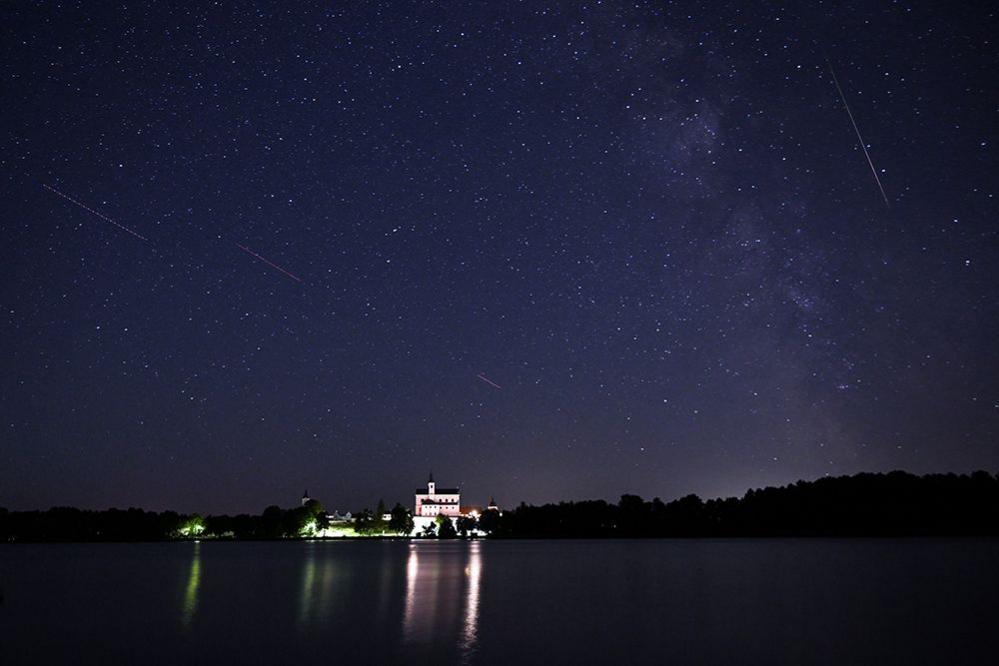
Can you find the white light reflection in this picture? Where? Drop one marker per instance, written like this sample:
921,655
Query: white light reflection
443,596
412,569
470,629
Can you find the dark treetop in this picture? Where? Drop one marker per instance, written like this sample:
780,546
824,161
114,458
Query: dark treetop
548,249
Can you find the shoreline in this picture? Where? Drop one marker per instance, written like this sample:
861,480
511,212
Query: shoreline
759,537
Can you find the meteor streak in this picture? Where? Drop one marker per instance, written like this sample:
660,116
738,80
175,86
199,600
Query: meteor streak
91,210
269,263
483,377
857,130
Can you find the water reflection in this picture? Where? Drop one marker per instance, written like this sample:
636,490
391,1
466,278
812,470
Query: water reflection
316,594
473,572
412,569
305,598
193,583
442,594
385,579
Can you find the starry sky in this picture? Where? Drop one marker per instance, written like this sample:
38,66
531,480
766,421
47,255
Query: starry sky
254,249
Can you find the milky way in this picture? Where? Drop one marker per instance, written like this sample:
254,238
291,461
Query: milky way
650,223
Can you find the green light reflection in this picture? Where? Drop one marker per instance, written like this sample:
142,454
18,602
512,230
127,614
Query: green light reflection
193,583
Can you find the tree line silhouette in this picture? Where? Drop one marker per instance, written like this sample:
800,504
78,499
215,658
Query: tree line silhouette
892,504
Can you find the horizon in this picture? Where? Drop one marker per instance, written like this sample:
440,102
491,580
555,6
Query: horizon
330,507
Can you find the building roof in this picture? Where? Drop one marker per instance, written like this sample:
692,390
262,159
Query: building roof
438,491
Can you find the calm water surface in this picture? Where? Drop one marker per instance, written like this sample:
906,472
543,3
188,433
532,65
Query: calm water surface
551,602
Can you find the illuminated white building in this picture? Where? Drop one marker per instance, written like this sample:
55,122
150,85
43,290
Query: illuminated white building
433,501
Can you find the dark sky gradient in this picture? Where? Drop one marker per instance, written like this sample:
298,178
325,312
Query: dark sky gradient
651,224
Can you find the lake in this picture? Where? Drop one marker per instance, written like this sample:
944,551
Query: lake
745,601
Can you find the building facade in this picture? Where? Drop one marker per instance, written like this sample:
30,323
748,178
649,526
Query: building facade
433,501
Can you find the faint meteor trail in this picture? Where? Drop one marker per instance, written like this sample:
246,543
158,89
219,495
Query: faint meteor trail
269,263
483,377
859,138
141,237
91,210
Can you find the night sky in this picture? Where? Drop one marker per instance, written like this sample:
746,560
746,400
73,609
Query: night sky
315,231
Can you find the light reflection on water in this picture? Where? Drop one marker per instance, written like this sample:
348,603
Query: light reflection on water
306,596
316,598
191,591
412,571
470,630
503,602
442,594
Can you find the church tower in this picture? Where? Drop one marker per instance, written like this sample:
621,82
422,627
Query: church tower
431,485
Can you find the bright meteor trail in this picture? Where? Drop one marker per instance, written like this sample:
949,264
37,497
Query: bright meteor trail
269,263
857,130
91,210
